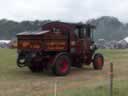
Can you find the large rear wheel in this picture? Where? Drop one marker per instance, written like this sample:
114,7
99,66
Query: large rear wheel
98,61
62,65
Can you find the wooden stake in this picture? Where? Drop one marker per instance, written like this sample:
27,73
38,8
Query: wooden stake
111,79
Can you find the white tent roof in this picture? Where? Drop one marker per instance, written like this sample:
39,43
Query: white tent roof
5,41
126,39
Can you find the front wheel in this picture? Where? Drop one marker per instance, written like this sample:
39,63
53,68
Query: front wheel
62,65
98,61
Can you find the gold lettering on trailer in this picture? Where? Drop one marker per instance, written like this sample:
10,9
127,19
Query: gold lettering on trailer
25,44
56,45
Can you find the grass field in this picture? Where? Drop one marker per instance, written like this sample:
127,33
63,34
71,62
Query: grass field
80,82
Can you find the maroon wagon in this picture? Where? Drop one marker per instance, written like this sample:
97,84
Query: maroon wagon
58,47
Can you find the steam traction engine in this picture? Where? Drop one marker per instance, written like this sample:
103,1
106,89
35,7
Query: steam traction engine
58,47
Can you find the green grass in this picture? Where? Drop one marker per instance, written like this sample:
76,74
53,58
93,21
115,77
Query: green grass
80,82
7,56
119,89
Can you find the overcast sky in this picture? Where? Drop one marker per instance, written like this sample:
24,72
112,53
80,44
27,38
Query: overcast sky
65,10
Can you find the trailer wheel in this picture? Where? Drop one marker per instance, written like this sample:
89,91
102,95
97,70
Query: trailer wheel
98,61
62,65
36,67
